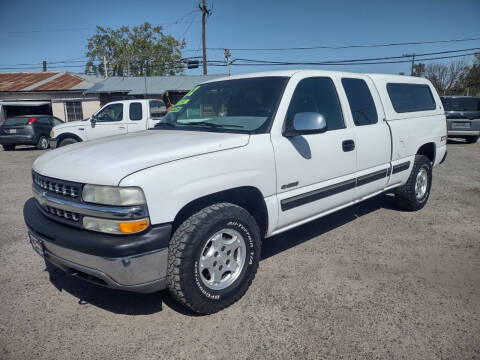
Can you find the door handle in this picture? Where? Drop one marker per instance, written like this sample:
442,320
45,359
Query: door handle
348,145
121,127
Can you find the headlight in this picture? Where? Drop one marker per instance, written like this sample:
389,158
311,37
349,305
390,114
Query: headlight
113,195
115,226
52,134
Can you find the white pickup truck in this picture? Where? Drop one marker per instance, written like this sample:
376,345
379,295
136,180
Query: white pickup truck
187,204
115,118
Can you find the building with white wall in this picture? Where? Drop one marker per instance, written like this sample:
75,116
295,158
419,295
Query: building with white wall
61,94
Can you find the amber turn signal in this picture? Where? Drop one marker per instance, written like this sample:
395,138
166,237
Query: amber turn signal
131,227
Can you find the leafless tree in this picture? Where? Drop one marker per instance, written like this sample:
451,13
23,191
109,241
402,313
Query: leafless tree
447,78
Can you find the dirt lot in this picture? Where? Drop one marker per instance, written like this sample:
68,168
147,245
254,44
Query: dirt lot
367,282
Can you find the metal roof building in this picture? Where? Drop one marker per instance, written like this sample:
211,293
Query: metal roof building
59,93
153,85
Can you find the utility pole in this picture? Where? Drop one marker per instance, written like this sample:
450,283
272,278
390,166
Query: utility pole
205,12
105,66
413,62
44,66
227,54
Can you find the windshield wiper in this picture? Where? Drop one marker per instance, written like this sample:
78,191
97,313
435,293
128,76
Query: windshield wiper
160,124
213,125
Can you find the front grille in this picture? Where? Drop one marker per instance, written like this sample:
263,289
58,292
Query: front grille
56,186
62,213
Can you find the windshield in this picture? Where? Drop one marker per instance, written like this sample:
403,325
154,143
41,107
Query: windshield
461,104
243,105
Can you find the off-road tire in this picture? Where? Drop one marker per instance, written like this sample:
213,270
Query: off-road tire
405,195
42,143
8,147
67,141
471,139
187,242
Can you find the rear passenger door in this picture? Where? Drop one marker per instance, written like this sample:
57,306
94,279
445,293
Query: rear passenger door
136,117
315,173
373,143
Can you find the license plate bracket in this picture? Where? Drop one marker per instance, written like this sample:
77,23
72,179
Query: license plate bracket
37,244
461,125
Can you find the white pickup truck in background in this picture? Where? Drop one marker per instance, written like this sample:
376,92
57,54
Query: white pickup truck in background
115,118
186,205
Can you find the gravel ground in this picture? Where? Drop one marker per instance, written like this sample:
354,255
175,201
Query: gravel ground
367,282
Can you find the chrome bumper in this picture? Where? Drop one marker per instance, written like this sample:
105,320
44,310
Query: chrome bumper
463,133
145,273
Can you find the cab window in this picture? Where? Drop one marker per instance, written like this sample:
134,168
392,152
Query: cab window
157,109
317,94
360,101
113,112
135,111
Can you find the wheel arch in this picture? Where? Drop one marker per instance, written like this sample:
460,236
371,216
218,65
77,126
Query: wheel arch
248,197
428,150
68,135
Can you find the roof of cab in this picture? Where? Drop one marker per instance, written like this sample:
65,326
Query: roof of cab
290,73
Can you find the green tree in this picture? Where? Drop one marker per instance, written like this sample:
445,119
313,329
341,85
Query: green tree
142,50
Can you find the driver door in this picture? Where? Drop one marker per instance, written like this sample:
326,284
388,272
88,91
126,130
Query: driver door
315,173
109,121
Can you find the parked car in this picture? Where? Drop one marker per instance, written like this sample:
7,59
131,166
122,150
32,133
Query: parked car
187,204
27,130
463,117
115,118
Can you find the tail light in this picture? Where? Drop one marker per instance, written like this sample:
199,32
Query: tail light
32,120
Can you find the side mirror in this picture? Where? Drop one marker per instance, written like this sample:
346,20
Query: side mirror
93,119
306,123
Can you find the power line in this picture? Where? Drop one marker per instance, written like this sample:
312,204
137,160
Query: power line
346,46
266,63
261,62
359,60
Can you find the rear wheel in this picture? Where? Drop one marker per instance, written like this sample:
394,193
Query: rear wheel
67,141
8,147
42,143
471,139
414,194
213,257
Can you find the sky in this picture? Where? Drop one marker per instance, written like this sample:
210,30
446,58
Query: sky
32,31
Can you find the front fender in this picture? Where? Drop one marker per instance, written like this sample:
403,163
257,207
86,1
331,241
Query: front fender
171,186
65,135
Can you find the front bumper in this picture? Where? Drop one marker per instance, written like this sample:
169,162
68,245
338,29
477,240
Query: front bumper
53,142
135,262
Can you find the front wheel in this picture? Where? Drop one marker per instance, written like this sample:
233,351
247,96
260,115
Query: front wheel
213,257
414,194
471,139
42,143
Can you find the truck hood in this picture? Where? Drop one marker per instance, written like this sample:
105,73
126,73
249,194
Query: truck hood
107,161
70,124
